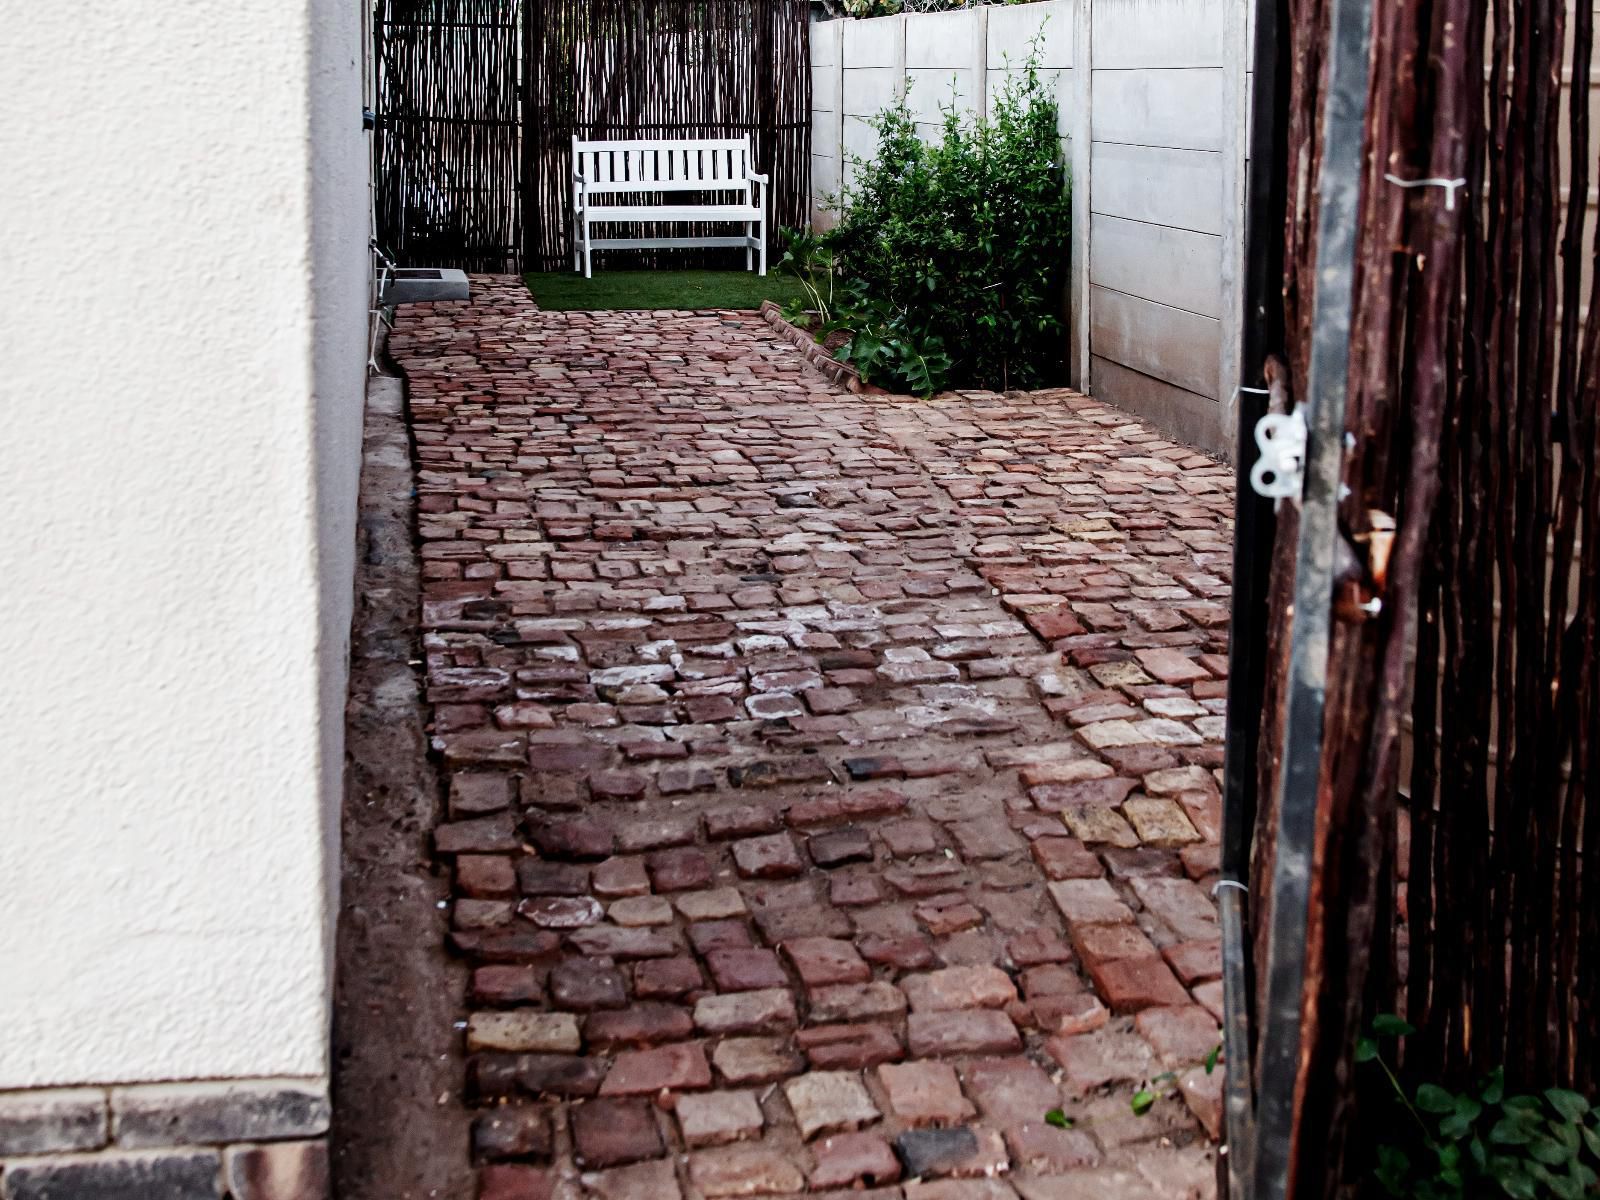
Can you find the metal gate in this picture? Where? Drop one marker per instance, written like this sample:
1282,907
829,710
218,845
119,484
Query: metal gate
449,132
1412,810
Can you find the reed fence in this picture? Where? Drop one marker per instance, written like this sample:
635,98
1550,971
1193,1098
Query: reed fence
478,101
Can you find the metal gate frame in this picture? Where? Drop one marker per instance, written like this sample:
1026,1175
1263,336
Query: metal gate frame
1260,1099
448,119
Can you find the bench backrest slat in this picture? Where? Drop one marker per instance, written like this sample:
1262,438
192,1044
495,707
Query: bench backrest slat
665,165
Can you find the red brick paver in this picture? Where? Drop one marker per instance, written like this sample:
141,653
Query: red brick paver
833,778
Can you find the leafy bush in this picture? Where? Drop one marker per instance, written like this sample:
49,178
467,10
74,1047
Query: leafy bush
1481,1142
957,250
879,340
887,8
872,8
961,245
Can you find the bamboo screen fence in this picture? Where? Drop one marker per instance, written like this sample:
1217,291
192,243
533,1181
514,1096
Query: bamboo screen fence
617,69
1468,605
479,101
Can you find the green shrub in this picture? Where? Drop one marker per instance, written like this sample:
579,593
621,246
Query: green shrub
953,254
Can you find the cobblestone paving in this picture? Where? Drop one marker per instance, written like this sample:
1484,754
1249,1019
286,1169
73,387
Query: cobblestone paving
833,778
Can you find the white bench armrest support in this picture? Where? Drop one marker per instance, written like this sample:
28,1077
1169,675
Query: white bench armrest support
758,190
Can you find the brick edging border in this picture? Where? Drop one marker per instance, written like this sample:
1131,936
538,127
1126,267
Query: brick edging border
813,351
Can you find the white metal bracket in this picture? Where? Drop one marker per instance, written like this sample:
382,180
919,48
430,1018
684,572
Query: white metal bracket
1450,186
1281,439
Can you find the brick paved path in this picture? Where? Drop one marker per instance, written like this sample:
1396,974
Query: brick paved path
833,778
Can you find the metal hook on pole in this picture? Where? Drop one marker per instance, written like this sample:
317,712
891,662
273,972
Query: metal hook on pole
1450,186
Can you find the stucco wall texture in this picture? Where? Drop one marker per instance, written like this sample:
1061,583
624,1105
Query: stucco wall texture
183,349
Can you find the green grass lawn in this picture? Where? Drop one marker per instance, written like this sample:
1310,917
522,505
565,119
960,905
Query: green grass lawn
568,290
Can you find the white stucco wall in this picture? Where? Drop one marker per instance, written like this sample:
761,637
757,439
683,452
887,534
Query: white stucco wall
183,347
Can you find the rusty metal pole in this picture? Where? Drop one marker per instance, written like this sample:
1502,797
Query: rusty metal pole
1262,332
1339,196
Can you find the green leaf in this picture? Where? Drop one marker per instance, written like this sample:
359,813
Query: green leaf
1549,1151
1459,1123
1211,1059
1366,1049
1389,1025
1142,1101
1567,1134
1591,1139
1494,1088
1509,1132
1480,1156
1513,1178
1569,1104
1393,1168
1058,1118
1433,1098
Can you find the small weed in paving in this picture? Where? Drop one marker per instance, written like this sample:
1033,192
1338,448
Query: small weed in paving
564,291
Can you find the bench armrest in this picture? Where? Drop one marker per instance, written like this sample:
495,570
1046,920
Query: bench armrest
757,177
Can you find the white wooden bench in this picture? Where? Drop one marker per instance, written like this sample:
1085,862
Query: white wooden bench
617,181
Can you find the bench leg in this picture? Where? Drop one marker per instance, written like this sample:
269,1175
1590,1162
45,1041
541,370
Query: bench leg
763,245
587,274
748,227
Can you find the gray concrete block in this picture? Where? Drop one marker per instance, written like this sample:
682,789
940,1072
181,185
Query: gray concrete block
52,1120
421,285
178,1114
170,1175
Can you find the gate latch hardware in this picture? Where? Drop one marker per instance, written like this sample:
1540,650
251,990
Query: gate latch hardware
1281,439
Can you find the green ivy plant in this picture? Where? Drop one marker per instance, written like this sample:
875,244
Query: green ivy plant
948,264
1482,1142
1143,1100
809,259
882,345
